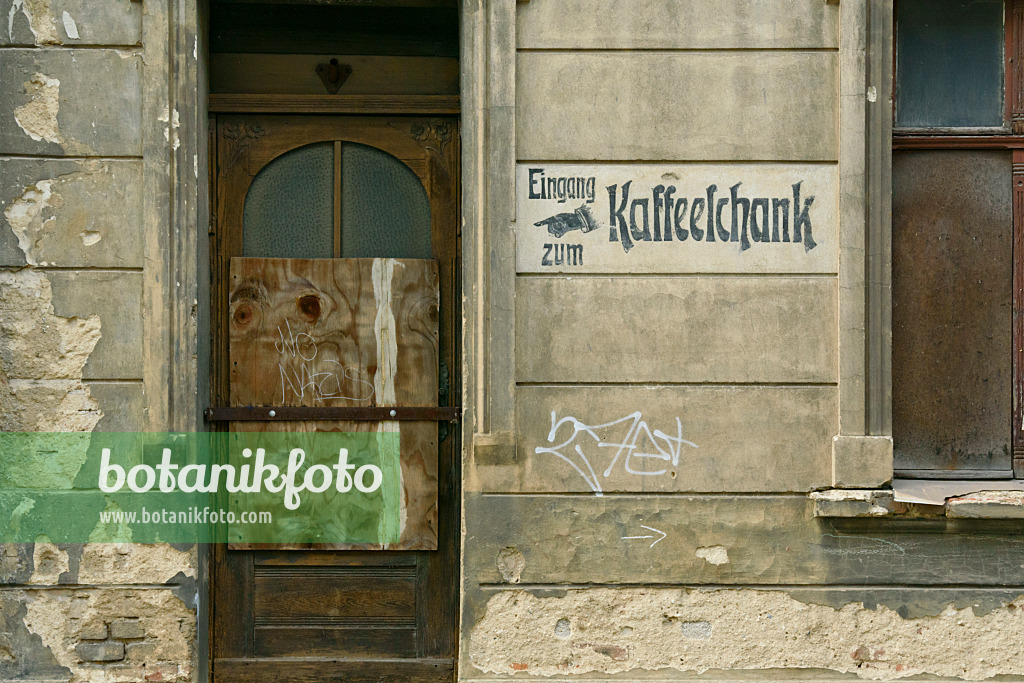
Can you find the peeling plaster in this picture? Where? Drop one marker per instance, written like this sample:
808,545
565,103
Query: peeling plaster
38,116
62,619
49,562
715,554
134,563
40,20
70,27
171,130
511,564
42,356
25,214
615,631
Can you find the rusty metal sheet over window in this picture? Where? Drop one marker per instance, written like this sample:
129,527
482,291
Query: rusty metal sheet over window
949,63
952,286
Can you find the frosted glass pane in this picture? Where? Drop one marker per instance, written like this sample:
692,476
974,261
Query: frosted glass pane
289,211
949,63
384,208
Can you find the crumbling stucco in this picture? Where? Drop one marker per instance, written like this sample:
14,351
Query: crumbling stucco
113,635
39,15
26,217
70,27
49,562
714,554
41,359
134,563
608,631
54,218
38,116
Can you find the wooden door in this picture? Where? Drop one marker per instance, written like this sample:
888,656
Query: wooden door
353,612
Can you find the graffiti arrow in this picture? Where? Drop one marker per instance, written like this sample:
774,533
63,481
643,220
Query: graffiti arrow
663,535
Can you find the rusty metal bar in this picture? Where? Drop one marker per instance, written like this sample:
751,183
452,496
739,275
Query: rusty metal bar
326,413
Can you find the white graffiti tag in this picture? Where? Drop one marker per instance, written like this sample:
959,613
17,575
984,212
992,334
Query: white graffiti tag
301,349
661,450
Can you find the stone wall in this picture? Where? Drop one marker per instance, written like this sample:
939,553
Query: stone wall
74,355
676,403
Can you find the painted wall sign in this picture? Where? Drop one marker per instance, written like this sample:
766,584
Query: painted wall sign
729,218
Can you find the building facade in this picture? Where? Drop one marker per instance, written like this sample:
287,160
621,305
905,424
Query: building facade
666,234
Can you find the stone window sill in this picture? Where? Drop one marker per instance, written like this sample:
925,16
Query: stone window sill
915,498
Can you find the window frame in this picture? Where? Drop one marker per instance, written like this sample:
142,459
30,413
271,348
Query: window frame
1009,136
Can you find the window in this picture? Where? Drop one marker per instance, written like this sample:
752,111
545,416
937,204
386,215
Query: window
958,198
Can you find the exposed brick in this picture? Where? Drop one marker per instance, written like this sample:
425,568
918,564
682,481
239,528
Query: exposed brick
105,651
94,630
126,629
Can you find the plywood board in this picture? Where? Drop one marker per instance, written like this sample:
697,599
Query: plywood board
343,332
676,218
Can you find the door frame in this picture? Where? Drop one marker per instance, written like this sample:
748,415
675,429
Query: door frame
438,138
175,78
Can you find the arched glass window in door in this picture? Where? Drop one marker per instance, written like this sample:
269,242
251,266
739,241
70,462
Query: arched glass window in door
336,199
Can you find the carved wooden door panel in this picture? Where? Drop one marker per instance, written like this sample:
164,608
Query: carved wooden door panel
335,252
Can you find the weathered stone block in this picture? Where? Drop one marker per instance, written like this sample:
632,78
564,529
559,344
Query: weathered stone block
103,651
70,102
71,213
116,300
123,405
653,329
677,24
861,461
70,22
693,439
768,539
855,503
777,106
987,505
127,629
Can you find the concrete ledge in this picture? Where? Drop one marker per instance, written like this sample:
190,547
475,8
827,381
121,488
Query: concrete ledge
853,503
987,505
850,503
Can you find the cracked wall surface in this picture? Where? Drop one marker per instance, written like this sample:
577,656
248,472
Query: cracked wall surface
596,550
613,631
72,351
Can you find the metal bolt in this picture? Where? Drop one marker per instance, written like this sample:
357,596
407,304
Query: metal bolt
273,413
393,413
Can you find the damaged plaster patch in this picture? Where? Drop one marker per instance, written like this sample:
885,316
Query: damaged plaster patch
150,632
511,564
134,563
25,216
173,122
40,20
42,356
620,630
715,554
49,562
70,27
38,116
